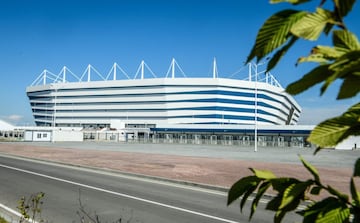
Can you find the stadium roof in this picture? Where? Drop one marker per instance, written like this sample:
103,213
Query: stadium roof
91,74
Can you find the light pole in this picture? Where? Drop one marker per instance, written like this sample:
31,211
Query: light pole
256,103
256,130
54,111
56,89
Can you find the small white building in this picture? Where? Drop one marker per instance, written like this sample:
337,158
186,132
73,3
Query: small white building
351,143
37,135
50,134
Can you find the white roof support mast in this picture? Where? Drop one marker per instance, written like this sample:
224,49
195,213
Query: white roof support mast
114,67
142,69
113,72
172,68
215,70
44,81
88,73
66,75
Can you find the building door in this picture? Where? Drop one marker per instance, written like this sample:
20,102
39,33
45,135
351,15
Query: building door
213,139
281,141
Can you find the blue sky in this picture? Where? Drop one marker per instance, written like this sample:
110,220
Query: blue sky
38,35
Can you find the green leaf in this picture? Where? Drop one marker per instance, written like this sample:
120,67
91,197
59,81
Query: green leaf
263,174
354,193
348,62
311,169
357,168
280,53
294,2
350,87
280,184
328,28
241,187
333,191
294,194
274,203
262,189
328,52
339,214
246,195
328,210
356,215
346,40
279,215
343,7
343,67
312,25
354,109
317,58
332,131
274,33
323,54
315,190
318,148
317,75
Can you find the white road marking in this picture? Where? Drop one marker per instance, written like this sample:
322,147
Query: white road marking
12,211
120,175
121,194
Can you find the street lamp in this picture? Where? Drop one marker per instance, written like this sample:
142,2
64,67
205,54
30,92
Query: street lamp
54,110
256,102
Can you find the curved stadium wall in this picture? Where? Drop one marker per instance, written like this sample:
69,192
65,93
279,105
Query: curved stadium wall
94,104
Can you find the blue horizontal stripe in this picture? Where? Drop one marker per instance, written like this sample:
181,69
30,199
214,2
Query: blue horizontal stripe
207,92
207,108
160,86
208,100
244,131
210,116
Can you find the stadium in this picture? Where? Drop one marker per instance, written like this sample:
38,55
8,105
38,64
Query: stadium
170,109
168,100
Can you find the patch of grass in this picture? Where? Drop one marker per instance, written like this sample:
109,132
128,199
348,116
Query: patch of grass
2,139
2,220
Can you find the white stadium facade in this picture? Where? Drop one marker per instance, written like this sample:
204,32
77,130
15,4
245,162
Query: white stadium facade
176,105
168,100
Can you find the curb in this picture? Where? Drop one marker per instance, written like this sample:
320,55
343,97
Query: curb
9,214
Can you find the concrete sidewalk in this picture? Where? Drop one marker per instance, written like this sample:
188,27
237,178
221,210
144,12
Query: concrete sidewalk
198,168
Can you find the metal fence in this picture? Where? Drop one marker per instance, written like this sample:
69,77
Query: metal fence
199,139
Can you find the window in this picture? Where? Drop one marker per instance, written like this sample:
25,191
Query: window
38,136
44,135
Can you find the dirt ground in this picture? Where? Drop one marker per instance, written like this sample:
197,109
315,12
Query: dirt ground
210,171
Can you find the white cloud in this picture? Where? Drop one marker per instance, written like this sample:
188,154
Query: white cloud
15,118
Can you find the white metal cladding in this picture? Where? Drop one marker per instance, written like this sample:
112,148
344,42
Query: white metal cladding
162,101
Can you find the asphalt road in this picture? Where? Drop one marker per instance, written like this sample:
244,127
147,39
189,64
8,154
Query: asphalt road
112,196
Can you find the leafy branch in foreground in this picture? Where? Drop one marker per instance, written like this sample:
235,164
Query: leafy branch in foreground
87,217
291,192
30,208
340,61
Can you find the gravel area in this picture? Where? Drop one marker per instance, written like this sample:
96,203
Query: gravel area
212,165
